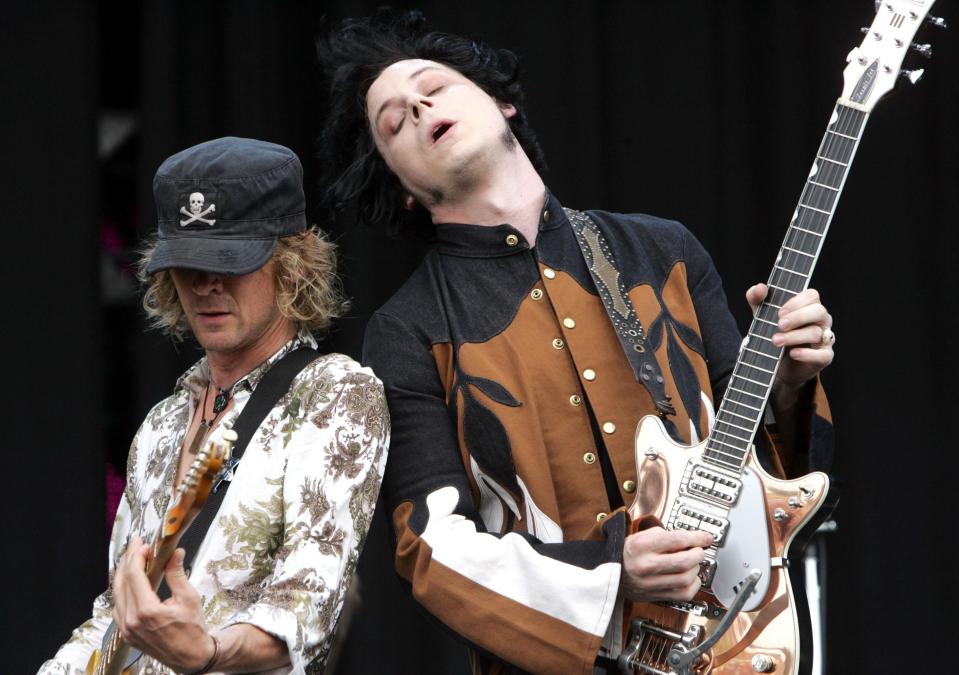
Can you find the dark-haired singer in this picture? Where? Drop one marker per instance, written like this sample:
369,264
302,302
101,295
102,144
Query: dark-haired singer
237,267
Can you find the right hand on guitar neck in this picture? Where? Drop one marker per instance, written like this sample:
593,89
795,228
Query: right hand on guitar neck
663,565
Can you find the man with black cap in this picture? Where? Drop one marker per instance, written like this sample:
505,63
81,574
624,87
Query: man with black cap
236,265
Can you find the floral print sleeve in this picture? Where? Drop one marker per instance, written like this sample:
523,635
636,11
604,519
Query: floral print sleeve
334,437
283,546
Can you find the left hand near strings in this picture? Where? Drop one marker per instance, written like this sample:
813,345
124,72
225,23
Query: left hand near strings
173,631
805,333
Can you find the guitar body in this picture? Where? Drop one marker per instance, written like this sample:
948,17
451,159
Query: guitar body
118,667
756,532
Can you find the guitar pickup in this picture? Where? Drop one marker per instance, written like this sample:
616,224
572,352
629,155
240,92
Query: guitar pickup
688,517
712,485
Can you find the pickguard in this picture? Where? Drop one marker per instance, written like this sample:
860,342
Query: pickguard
747,546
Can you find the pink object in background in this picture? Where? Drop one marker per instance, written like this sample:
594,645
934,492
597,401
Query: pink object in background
116,482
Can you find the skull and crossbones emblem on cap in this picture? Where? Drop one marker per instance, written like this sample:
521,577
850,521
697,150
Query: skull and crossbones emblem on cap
197,212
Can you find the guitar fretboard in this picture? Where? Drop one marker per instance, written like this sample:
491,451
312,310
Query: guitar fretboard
750,384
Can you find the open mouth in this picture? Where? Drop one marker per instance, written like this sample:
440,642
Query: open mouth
441,129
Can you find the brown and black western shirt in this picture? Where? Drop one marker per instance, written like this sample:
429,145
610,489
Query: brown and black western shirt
513,410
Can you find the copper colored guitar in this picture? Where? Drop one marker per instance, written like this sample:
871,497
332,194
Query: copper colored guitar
116,657
744,620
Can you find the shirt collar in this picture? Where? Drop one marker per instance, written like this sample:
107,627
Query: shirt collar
494,241
196,379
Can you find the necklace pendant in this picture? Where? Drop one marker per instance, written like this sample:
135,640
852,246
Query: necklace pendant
220,401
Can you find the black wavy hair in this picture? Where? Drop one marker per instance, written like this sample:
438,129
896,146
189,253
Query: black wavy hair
352,173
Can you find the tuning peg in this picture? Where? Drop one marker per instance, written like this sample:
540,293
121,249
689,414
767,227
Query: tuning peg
924,50
936,21
912,75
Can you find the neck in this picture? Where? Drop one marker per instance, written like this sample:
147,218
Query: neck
512,192
226,367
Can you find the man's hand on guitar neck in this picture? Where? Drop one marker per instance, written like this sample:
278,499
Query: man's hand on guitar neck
662,565
174,632
805,333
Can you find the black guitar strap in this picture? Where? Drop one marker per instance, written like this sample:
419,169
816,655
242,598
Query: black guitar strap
274,384
609,283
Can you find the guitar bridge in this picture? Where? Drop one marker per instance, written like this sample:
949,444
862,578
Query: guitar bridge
650,645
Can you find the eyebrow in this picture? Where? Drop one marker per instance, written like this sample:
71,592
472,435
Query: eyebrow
390,101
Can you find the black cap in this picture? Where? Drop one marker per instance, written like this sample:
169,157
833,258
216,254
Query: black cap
221,205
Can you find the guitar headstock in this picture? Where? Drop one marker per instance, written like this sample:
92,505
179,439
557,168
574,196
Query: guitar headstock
196,484
876,64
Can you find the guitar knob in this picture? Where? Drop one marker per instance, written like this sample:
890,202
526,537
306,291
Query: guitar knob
762,663
923,50
937,21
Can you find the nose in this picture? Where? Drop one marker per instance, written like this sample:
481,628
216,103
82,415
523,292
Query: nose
416,103
205,283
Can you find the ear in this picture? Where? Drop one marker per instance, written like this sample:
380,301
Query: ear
409,201
507,109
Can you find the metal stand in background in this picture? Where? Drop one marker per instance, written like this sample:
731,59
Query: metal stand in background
814,573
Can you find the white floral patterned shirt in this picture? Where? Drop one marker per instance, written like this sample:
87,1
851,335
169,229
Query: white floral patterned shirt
285,542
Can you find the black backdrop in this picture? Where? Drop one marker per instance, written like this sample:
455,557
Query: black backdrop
708,112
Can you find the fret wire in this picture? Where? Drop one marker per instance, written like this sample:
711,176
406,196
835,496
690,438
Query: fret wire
822,185
811,193
771,323
713,439
731,434
810,218
730,412
743,377
838,145
796,237
813,208
765,370
734,425
751,410
796,250
791,271
805,230
716,432
832,161
780,288
746,405
768,356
